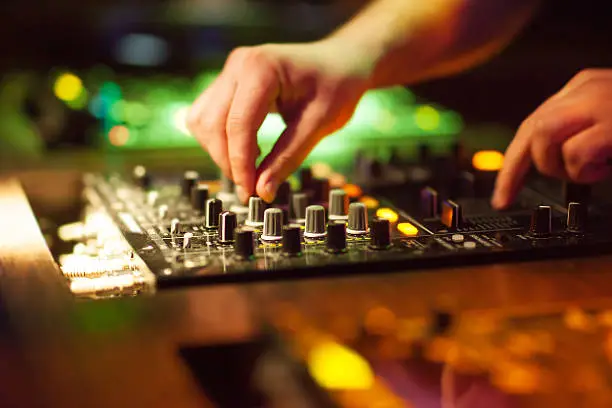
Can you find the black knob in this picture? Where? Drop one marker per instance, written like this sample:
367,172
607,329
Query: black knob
380,233
283,194
320,190
336,237
577,215
255,218
199,196
357,219
451,215
214,207
244,246
297,207
175,226
227,226
338,204
315,222
577,193
541,221
306,178
292,240
190,179
429,202
273,225
142,177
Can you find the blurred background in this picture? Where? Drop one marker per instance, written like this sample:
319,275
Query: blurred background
85,80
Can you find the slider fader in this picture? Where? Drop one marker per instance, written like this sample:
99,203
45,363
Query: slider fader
145,231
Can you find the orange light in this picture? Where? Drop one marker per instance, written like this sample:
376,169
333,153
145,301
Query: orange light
119,135
352,190
369,202
488,160
336,180
388,214
407,229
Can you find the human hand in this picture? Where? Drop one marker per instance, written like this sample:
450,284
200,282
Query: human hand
314,86
569,137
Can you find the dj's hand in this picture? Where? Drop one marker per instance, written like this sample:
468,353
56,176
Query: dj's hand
314,87
568,137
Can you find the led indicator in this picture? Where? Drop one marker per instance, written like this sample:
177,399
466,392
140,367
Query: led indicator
387,214
407,229
488,160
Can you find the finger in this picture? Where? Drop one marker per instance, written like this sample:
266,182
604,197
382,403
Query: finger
210,115
582,78
249,108
586,155
293,146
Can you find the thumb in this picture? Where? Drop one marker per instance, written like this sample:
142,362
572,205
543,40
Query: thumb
291,149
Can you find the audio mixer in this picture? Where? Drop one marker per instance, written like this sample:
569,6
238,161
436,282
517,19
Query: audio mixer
143,230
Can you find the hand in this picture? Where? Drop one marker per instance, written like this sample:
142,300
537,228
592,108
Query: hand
568,137
314,86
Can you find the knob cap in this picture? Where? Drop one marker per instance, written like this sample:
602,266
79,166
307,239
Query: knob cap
257,207
297,207
227,227
214,207
199,196
576,217
187,240
541,221
190,178
273,225
175,226
452,215
162,211
292,240
320,190
244,247
336,237
142,177
338,204
429,202
357,219
283,194
315,222
306,178
380,233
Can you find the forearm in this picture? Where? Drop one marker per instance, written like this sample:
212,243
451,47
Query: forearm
407,41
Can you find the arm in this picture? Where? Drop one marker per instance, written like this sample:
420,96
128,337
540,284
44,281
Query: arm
411,41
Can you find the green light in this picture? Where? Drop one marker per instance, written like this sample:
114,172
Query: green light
80,102
137,114
427,117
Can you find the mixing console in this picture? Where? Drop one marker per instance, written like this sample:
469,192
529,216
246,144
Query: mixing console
145,231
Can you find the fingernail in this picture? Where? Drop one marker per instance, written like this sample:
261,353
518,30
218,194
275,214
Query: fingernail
270,191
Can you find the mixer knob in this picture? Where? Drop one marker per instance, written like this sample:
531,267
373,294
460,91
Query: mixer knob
199,196
257,207
357,219
541,221
175,226
214,207
320,190
297,207
380,233
306,178
142,177
315,222
227,226
187,238
452,215
576,193
429,202
190,179
338,204
244,247
273,225
576,217
283,194
292,240
336,237
162,211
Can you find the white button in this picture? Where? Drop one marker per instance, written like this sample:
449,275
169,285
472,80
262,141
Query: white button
457,238
469,245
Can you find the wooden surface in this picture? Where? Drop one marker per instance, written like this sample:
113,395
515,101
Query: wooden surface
59,352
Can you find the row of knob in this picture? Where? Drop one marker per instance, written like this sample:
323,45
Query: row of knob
541,219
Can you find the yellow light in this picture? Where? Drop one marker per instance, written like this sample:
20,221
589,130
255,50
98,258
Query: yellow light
407,229
352,190
427,117
488,160
68,87
334,366
369,202
118,135
388,214
336,180
180,120
321,170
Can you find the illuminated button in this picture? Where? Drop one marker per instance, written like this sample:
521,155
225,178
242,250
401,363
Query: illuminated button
429,202
469,245
352,190
488,160
451,215
369,202
387,214
458,238
407,229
